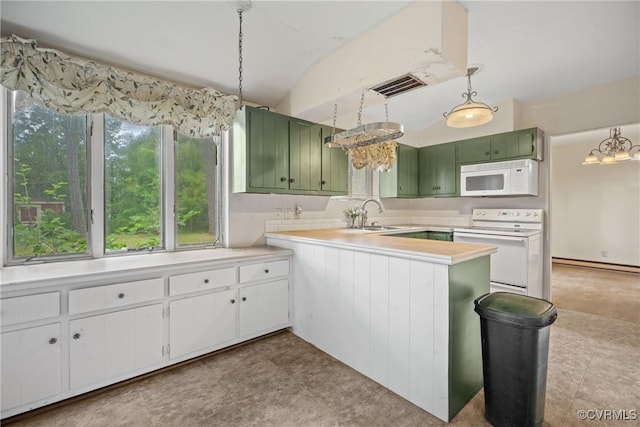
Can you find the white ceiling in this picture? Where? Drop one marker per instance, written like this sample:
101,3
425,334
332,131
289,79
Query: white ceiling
528,49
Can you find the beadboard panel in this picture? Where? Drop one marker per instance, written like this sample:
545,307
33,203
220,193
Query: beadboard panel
386,317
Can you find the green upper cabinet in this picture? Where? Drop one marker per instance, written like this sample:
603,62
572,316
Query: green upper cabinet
274,153
402,179
474,150
521,144
335,166
267,149
438,172
305,149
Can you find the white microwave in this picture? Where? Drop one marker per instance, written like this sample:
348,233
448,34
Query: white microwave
511,178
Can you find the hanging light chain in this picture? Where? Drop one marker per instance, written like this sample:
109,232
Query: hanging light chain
240,59
360,109
386,112
335,115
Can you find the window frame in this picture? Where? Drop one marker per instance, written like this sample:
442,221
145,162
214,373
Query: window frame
173,201
96,233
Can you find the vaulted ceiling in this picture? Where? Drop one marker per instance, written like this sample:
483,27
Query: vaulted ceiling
527,49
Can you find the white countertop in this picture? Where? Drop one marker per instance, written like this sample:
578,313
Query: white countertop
57,272
382,242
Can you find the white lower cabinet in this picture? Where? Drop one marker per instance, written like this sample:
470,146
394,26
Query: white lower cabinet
201,322
114,344
263,307
31,368
63,340
210,321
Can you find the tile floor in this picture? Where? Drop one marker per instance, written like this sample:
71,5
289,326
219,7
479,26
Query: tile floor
594,364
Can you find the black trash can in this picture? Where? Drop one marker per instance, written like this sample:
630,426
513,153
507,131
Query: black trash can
515,347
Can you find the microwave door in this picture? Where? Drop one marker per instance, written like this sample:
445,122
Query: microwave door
485,183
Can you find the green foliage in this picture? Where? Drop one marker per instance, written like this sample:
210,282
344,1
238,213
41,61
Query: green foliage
47,143
41,145
50,233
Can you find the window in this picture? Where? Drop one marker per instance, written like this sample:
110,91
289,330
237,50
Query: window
75,193
48,182
132,186
196,191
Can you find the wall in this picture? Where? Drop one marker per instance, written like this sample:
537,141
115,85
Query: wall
595,208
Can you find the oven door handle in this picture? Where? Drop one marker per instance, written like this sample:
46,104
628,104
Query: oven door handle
488,237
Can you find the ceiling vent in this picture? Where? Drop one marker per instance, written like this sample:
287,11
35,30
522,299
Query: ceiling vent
398,86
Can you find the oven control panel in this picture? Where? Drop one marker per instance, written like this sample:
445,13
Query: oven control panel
507,215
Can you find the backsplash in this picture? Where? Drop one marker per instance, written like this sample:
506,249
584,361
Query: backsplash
441,218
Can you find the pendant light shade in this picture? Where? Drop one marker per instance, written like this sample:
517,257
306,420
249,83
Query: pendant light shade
470,113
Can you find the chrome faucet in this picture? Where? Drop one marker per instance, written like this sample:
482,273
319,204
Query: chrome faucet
364,211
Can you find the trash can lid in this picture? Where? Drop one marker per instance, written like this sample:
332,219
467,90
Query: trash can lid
514,309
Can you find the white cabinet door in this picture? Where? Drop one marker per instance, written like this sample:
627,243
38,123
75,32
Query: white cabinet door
113,344
30,365
202,322
263,307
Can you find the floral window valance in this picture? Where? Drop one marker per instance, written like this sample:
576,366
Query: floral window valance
73,85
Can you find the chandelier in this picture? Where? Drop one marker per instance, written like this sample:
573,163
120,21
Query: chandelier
470,113
612,150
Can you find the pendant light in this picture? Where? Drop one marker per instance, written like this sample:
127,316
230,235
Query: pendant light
470,113
612,150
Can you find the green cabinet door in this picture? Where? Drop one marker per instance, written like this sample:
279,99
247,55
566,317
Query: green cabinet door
502,147
305,152
402,179
528,143
268,149
407,171
438,171
514,145
474,150
335,166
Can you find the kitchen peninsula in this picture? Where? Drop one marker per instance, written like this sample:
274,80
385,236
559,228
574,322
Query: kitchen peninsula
398,310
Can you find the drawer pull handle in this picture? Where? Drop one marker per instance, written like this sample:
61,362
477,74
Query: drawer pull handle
53,340
121,295
76,336
244,298
266,270
233,301
206,280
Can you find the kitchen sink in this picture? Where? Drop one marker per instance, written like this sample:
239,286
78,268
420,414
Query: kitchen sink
385,227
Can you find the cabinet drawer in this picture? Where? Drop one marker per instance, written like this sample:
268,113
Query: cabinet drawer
28,308
202,280
264,270
121,294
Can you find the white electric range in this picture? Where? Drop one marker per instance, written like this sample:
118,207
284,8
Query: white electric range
517,233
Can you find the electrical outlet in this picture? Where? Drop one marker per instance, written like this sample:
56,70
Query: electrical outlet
605,254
